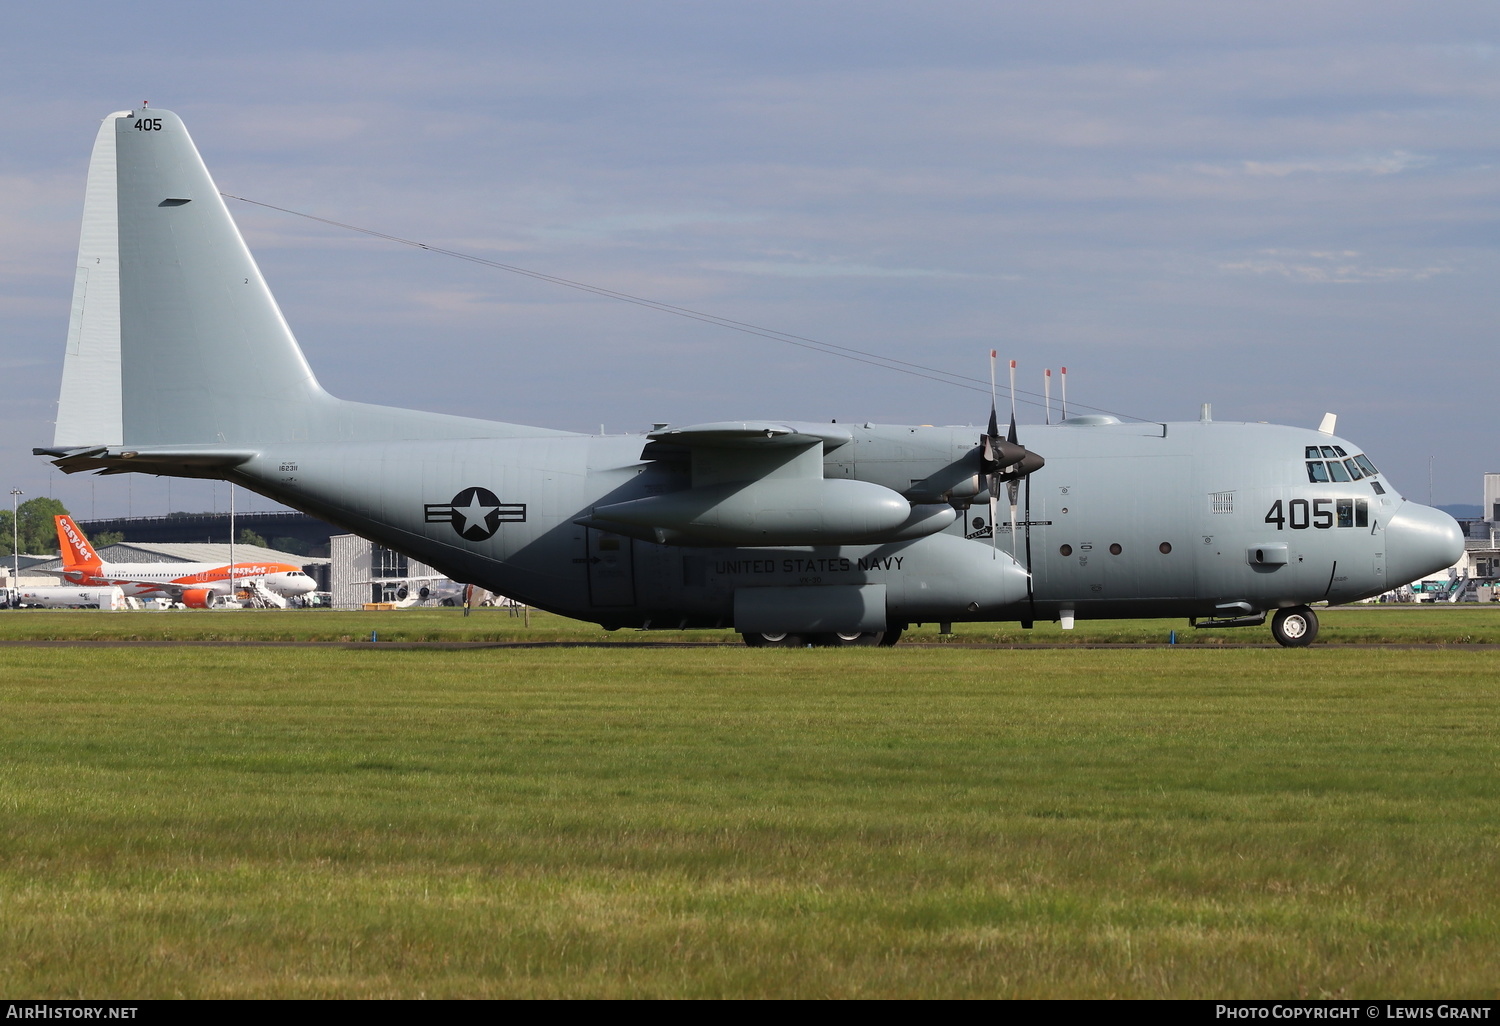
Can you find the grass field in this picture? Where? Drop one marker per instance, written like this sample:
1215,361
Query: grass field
1419,625
729,822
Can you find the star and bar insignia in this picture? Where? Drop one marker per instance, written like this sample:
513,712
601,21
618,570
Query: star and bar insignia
475,513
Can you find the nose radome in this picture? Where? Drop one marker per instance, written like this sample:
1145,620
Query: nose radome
1420,540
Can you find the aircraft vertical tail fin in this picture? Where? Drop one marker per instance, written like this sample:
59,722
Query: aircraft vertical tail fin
175,341
174,337
88,409
77,553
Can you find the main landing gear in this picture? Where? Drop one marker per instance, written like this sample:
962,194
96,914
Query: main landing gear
1294,627
840,639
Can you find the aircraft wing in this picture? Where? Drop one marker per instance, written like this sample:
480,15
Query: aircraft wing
400,580
59,573
753,434
762,483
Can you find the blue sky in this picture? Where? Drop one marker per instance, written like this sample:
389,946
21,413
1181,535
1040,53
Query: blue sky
1278,208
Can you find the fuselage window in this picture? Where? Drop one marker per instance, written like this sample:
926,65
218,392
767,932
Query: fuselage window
1376,485
1311,453
1354,470
1361,513
1317,472
1328,452
1337,470
1340,450
1345,510
1366,466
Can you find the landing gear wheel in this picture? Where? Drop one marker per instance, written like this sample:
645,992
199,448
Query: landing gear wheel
774,640
847,639
1294,627
892,635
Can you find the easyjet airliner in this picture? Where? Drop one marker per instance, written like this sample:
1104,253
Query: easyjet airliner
193,584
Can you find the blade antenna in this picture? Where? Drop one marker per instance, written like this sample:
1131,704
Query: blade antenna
1047,393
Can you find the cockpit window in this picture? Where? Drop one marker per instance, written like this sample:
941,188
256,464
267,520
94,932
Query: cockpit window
1351,468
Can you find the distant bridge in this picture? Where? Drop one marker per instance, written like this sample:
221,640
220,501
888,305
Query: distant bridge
214,527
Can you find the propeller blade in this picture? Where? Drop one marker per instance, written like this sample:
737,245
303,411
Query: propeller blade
994,427
1013,488
1005,459
994,509
1012,400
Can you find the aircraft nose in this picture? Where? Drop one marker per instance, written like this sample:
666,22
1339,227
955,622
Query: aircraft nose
1420,540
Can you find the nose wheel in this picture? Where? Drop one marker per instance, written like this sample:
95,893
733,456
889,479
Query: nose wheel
1294,627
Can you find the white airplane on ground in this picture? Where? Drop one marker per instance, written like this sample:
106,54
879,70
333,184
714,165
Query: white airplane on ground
195,585
432,590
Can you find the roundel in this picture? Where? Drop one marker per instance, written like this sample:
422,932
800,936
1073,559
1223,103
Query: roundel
476,513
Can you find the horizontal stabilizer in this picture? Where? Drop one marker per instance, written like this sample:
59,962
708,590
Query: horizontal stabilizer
172,462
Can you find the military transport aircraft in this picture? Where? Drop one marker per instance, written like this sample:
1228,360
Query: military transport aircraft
179,362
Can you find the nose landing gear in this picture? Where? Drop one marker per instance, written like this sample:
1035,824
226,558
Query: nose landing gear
1294,627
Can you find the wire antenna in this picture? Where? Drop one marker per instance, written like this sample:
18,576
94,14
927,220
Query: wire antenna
826,348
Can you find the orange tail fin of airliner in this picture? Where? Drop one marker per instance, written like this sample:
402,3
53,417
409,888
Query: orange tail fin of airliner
77,553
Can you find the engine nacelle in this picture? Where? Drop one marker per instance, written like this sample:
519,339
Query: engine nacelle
771,511
197,598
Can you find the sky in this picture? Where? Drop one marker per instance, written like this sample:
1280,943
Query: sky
1279,208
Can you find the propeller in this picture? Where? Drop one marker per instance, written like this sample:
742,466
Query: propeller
1004,459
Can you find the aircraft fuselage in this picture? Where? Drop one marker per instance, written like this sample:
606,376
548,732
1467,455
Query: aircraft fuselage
1126,520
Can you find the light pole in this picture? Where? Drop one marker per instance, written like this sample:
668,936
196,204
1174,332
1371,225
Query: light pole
15,526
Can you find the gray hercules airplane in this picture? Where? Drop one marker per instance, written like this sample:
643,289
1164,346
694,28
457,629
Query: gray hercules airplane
179,363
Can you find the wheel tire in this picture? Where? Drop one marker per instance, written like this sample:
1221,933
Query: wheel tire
1295,627
774,640
847,639
892,635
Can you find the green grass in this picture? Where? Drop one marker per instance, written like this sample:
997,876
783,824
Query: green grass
731,822
1421,625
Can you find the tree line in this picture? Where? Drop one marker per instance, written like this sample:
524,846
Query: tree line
38,533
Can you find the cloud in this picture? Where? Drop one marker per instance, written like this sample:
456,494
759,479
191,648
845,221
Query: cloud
1341,267
830,269
1391,163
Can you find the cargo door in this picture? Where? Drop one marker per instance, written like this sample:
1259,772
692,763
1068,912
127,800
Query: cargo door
611,565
